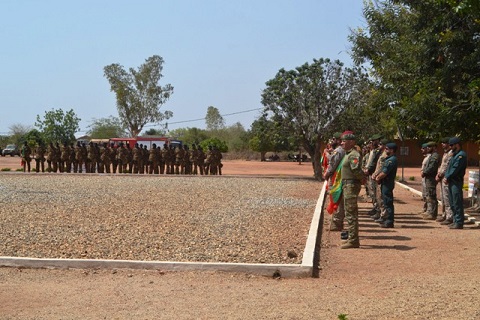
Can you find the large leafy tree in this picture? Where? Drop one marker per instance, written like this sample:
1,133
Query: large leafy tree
58,125
308,101
105,128
139,95
268,135
424,56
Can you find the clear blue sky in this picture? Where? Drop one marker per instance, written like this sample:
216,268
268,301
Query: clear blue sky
217,53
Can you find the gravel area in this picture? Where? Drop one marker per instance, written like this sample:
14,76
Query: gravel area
156,218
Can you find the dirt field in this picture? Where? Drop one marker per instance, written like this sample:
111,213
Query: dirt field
419,270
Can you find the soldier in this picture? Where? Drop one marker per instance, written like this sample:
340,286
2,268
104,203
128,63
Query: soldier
187,165
58,155
429,172
129,158
387,180
217,158
26,156
73,159
201,160
208,161
352,176
98,160
90,164
84,156
106,158
77,165
447,216
166,160
52,164
161,161
381,161
194,159
40,157
425,155
179,154
454,178
153,160
369,170
137,155
145,155
335,159
122,158
65,158
113,157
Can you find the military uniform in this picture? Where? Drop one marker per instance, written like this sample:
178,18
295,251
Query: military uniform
454,177
447,216
179,154
369,170
39,158
429,172
201,160
26,157
352,176
389,171
153,160
137,155
52,164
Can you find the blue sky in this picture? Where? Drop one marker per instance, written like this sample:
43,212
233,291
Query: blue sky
217,53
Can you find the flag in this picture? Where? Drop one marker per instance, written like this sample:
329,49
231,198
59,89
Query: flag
336,190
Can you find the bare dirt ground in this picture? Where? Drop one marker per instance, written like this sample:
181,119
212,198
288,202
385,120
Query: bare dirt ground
419,270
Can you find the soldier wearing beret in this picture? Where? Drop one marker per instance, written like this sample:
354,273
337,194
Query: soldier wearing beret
387,180
352,176
454,178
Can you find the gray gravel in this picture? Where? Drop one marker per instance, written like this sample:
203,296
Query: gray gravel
162,218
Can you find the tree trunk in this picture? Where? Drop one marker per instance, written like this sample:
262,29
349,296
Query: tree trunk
262,156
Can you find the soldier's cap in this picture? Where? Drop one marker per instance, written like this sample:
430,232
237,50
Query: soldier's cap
384,142
392,146
454,140
337,135
431,144
376,137
424,145
348,135
445,140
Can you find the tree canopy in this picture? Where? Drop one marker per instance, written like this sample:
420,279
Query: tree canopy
213,119
424,56
139,95
58,125
307,101
105,128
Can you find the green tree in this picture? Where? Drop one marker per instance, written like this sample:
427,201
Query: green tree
213,119
190,136
105,128
308,101
424,56
214,142
139,95
268,135
34,137
58,126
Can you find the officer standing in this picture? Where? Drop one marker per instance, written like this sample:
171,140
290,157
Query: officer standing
447,216
429,173
454,178
40,157
387,179
352,176
26,156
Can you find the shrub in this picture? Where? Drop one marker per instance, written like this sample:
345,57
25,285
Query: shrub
6,169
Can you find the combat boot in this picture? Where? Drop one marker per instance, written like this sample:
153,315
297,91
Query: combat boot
428,217
446,222
336,227
350,245
441,219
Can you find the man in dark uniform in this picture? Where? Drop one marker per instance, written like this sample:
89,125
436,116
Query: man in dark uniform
40,157
387,179
26,156
454,178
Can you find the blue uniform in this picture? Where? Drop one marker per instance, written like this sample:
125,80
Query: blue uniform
388,184
454,175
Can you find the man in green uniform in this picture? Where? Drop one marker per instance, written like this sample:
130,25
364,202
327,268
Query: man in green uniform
40,157
387,179
352,176
454,178
429,173
26,156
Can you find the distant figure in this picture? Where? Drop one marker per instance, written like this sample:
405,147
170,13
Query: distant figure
26,156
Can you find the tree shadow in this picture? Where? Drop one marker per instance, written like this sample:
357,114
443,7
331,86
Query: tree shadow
392,247
397,238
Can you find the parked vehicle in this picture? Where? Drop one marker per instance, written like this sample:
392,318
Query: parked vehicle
11,150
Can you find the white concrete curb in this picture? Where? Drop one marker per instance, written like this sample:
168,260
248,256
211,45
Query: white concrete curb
307,268
471,220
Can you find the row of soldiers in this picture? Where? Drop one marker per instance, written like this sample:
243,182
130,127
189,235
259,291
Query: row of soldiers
108,158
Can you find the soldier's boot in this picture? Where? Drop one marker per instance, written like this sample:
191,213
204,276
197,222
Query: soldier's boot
336,226
350,245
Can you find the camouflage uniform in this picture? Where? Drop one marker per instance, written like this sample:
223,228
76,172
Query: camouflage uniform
73,160
52,164
122,158
65,158
106,158
194,159
208,161
91,158
201,160
352,176
187,165
153,160
161,160
447,210
26,157
113,158
429,172
179,155
129,158
167,160
39,158
378,193
77,165
137,158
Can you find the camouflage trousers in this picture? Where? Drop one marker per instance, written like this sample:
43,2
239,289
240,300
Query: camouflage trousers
350,198
431,196
447,210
